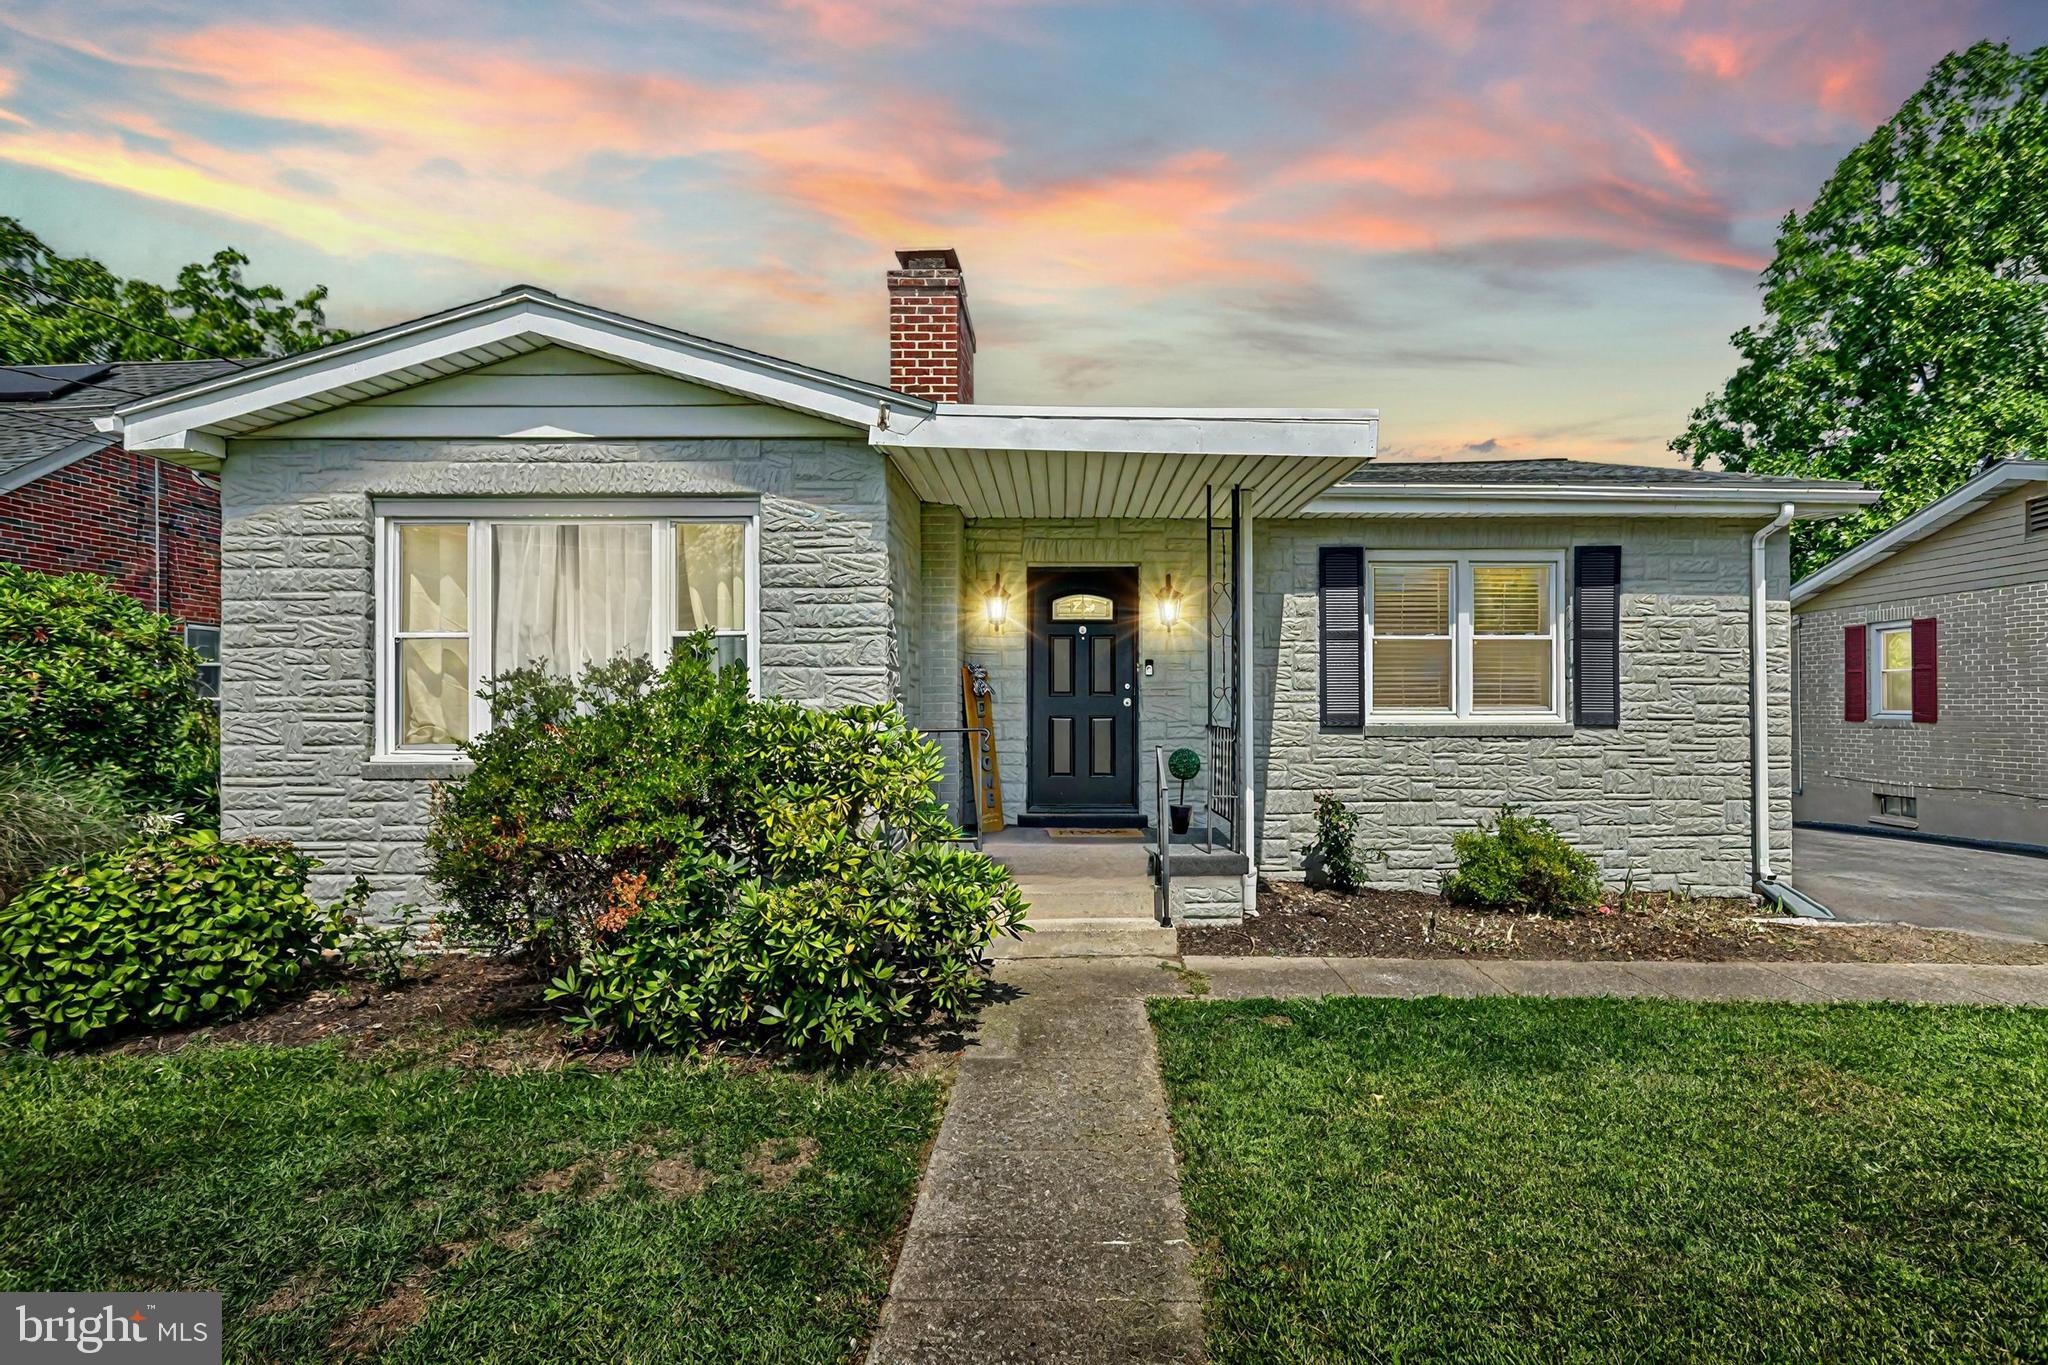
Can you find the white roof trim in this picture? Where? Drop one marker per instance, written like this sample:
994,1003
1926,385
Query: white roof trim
1338,433
476,334
1814,501
1922,524
21,476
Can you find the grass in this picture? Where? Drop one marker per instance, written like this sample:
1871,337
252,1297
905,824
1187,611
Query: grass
1537,1180
394,1205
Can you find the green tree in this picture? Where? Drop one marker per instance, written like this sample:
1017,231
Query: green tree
72,309
1905,336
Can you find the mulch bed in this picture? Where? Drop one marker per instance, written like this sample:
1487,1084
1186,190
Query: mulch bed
475,1005
469,1011
1299,921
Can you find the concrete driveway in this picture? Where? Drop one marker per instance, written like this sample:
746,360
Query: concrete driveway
1937,886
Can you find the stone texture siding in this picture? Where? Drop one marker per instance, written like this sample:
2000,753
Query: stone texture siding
298,638
151,527
1664,799
1980,771
1206,900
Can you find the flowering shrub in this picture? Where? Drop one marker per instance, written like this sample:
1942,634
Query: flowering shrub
684,862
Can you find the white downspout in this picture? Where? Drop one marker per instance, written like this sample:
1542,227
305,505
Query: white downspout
1249,894
1760,698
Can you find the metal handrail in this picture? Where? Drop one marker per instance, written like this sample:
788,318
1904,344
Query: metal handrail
1165,837
970,759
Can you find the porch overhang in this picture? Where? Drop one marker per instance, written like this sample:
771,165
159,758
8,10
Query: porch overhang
1123,462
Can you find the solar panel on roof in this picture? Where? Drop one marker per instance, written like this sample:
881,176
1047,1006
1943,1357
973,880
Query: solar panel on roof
36,383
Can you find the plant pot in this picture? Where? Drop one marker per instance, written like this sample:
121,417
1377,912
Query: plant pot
1182,815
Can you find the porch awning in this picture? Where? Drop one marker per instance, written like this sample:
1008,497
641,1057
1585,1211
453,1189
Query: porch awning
1123,462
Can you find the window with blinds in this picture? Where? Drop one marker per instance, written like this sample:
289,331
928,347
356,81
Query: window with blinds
1513,643
1454,635
1410,625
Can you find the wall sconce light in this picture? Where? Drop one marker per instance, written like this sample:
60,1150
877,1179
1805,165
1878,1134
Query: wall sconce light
996,606
1169,604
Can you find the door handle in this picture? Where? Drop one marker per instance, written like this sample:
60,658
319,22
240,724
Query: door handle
1127,701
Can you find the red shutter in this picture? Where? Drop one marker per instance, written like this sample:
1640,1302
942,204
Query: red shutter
1925,711
1855,676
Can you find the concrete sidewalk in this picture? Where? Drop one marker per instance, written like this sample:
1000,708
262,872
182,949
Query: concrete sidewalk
1933,983
1050,1227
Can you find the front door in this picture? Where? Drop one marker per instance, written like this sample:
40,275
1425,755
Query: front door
1084,694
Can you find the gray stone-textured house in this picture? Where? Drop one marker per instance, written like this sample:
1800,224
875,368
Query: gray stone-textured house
1922,664
409,512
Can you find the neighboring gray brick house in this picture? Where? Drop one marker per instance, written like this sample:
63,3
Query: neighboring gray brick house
410,512
1922,663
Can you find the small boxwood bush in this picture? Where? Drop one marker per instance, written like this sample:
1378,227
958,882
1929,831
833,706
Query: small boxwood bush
178,928
683,862
92,679
1521,863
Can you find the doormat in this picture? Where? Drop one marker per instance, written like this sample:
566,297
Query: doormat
1069,832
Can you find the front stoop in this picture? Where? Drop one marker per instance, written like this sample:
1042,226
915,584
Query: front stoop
1107,913
1050,1226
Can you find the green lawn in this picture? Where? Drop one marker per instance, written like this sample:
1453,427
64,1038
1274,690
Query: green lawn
1532,1180
671,1211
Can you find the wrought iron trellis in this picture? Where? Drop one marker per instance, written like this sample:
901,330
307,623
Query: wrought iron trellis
1226,630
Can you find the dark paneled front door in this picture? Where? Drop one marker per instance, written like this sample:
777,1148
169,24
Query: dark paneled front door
1084,693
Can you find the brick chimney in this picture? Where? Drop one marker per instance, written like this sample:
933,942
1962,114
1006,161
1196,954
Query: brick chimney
931,338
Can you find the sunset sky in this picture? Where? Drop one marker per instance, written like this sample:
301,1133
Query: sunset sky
1515,228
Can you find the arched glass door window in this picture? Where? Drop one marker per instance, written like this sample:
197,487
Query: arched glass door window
1083,606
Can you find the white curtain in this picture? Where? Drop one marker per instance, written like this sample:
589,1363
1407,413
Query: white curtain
572,595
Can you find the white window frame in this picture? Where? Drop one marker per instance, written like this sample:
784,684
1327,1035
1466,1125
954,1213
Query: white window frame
1461,563
205,662
1874,671
482,516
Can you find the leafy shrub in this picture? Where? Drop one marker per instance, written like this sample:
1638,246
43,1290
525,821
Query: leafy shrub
92,679
1334,858
50,815
739,868
178,928
1522,863
381,954
578,784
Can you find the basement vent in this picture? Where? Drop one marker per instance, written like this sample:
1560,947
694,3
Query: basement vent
2037,516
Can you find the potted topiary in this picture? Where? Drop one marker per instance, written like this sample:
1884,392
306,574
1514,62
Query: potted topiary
1183,764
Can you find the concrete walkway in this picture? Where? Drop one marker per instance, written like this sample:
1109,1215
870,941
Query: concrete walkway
1050,1225
1932,983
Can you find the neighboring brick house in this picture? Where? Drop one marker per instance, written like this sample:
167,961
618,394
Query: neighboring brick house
72,500
409,512
1922,660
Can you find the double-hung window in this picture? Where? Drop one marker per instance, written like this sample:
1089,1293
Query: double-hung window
1892,667
468,591
1464,636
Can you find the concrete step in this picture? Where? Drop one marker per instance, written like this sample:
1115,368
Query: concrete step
1122,902
1082,938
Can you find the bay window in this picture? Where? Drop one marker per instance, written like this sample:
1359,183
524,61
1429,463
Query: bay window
1463,636
471,590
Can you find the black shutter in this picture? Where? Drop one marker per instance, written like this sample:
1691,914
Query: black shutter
1596,635
1341,587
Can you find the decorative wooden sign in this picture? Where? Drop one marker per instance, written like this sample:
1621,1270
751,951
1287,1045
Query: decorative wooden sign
978,697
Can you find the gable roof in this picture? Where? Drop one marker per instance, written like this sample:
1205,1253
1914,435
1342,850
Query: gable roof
196,422
1424,488
41,435
1992,482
